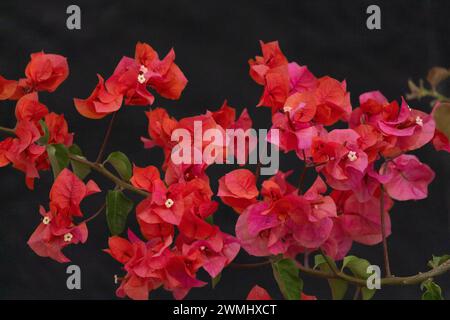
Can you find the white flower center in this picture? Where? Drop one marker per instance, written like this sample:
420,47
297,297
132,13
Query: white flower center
68,237
287,109
46,220
141,78
352,156
202,248
419,121
169,203
143,69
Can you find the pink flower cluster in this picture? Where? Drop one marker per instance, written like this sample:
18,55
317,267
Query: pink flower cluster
356,166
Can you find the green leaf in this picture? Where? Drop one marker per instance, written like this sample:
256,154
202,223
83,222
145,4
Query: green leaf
118,206
210,220
431,291
43,140
367,293
216,280
286,274
338,287
80,169
357,266
436,261
58,156
121,163
442,118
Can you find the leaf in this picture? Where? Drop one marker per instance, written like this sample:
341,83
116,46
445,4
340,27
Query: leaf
442,118
357,266
80,169
59,157
121,163
367,293
43,140
118,206
338,287
286,274
432,291
436,75
216,280
436,261
210,220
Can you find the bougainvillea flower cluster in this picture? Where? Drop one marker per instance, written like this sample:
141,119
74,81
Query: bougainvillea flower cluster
362,166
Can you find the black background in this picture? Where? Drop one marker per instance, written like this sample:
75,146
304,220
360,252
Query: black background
213,41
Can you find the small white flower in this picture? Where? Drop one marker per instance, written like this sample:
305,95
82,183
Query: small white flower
68,237
169,203
202,248
143,69
141,78
287,109
46,220
419,121
352,156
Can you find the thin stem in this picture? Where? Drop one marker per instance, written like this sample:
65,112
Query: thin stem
99,211
249,265
257,171
357,292
387,281
102,170
99,168
383,235
106,138
330,263
7,130
306,259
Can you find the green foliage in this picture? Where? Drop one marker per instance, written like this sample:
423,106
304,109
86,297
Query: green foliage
43,140
431,291
358,267
121,164
338,286
442,118
436,261
80,169
58,156
286,274
216,280
118,206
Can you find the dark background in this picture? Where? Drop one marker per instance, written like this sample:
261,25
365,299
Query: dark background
213,41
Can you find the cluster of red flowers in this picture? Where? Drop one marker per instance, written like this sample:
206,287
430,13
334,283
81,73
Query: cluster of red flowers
183,202
45,72
57,229
361,170
130,81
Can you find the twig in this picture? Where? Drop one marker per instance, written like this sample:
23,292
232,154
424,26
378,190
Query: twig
357,292
102,170
106,138
383,235
99,168
257,171
330,263
94,215
249,265
7,130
